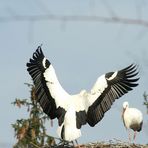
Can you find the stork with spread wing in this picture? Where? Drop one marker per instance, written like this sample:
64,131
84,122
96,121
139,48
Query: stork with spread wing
73,111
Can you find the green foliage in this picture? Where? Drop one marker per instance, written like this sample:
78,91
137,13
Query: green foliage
31,132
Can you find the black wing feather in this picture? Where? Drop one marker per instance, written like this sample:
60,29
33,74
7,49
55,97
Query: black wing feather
117,87
36,70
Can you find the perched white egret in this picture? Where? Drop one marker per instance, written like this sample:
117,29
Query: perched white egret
132,119
73,111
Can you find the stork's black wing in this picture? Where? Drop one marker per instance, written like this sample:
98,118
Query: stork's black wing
109,87
39,69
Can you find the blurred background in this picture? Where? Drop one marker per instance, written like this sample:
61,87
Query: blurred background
82,39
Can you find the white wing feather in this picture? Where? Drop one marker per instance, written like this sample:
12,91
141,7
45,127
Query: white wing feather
57,92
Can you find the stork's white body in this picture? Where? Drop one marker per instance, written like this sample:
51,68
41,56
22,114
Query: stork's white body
69,125
132,118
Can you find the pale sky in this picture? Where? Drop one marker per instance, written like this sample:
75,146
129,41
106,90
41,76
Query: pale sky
80,51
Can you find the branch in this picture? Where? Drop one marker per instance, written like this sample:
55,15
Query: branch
75,18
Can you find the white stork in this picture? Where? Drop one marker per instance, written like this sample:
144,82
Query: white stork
132,119
73,111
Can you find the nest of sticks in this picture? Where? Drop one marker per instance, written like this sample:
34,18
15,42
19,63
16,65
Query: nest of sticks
110,144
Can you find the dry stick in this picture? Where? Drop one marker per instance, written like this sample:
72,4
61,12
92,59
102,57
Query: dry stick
34,145
76,18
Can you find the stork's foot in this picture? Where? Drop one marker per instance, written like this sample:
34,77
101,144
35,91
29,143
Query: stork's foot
79,146
134,135
65,144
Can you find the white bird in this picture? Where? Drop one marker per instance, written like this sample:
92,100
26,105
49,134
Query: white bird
132,119
73,111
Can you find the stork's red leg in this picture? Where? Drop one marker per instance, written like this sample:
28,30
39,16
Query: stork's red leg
134,135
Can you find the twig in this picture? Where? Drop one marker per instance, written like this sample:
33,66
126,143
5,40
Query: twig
75,18
34,145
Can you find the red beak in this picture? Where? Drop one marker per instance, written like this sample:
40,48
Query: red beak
122,114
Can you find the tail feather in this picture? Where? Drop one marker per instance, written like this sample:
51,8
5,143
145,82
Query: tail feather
140,127
68,130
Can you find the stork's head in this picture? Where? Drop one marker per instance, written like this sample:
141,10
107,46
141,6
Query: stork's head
125,105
